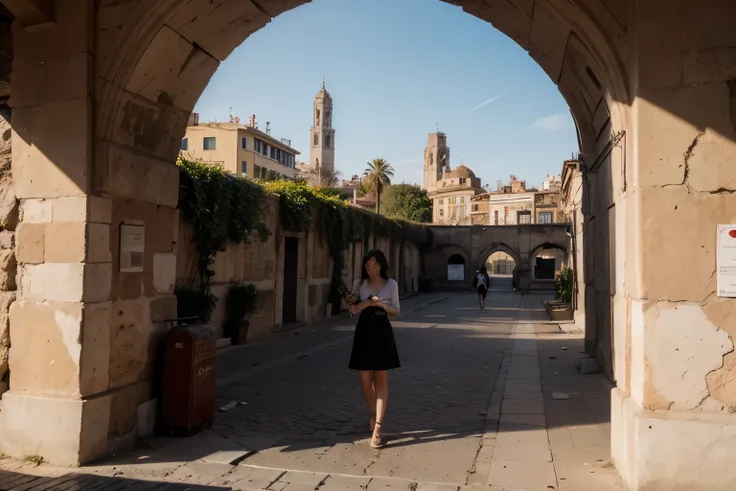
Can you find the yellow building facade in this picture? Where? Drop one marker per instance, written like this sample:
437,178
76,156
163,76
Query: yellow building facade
241,149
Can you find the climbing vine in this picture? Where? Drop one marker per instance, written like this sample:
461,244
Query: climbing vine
224,209
339,224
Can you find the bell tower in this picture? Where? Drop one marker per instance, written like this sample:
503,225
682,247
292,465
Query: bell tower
322,135
436,160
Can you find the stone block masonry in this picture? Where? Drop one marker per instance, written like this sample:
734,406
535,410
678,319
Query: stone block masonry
8,262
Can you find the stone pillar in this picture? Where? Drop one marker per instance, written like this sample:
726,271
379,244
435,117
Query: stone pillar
673,421
59,325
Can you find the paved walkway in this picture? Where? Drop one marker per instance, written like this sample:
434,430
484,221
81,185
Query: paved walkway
486,399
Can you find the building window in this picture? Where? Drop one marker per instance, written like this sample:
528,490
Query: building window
257,171
523,217
462,200
243,143
475,207
545,217
209,143
328,119
328,140
185,143
316,139
442,212
495,217
243,168
463,180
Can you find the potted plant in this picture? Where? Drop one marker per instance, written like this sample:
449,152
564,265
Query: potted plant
242,302
560,309
193,304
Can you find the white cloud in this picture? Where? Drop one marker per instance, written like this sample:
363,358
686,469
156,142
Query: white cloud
488,101
555,122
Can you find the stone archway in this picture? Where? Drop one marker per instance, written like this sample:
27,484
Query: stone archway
490,250
503,247
101,98
534,253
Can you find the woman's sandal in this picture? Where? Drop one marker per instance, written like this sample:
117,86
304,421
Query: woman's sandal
377,438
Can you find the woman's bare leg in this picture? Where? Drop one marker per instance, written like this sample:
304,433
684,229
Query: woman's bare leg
381,385
369,392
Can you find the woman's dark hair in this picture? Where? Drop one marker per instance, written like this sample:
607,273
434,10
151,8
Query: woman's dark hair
484,270
380,258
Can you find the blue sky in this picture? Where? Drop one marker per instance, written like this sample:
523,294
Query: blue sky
394,68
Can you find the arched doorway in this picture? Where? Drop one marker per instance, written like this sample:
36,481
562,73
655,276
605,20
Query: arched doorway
500,263
456,268
152,58
545,262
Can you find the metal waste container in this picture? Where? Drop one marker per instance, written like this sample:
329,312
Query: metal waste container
188,385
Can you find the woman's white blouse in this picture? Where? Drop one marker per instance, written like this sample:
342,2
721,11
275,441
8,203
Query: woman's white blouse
389,294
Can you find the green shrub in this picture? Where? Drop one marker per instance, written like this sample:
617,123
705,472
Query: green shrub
564,286
242,302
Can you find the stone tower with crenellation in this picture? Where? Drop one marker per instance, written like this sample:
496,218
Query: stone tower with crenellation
436,160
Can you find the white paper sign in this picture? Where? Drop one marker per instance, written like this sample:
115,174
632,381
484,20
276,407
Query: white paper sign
726,261
132,248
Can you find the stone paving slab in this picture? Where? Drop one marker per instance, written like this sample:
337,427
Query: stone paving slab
526,476
345,483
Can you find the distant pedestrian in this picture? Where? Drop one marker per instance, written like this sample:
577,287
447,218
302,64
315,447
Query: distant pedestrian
376,297
481,284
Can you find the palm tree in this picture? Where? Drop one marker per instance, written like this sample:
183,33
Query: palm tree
378,175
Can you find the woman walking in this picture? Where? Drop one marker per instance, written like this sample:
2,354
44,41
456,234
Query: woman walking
481,284
376,298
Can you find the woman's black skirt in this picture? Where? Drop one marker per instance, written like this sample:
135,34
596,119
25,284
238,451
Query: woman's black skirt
374,347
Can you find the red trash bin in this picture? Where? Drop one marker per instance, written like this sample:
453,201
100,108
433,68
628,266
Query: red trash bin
188,385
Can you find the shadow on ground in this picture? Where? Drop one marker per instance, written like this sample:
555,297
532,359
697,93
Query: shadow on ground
90,482
308,413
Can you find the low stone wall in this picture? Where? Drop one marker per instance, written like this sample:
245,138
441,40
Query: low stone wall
262,263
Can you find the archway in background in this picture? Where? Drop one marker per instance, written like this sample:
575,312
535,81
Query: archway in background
500,263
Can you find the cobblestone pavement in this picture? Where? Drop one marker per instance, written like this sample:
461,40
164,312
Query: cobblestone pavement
486,399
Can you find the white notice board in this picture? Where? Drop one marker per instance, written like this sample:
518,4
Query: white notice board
132,248
726,261
456,272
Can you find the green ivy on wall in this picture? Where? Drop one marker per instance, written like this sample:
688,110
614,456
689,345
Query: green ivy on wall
224,209
339,223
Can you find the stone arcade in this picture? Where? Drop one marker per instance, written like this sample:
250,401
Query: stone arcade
101,93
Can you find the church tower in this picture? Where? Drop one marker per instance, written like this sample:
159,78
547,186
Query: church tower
322,135
436,160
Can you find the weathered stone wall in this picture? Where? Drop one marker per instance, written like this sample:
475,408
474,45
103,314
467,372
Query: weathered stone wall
8,264
8,201
261,263
140,303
